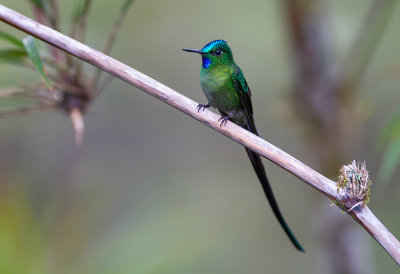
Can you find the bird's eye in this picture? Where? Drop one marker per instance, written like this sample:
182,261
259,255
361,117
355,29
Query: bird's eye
218,52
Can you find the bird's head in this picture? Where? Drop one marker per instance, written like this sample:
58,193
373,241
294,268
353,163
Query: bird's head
214,53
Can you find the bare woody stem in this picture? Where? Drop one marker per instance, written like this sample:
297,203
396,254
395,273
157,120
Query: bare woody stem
327,187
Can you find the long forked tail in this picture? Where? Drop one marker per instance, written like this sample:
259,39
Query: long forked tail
262,176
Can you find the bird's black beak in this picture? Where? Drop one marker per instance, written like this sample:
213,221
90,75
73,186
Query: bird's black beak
194,50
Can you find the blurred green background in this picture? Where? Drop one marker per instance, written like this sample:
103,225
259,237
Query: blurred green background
154,191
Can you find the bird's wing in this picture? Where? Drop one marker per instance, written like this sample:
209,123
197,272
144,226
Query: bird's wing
244,94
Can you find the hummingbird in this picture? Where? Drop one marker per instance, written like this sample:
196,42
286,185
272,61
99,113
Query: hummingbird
226,89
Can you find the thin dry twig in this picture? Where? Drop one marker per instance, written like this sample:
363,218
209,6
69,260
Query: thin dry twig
109,44
81,32
327,187
55,14
78,29
115,30
104,83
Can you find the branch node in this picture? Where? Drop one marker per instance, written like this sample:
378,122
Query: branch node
355,182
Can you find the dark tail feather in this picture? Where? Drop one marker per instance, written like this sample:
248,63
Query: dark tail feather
262,176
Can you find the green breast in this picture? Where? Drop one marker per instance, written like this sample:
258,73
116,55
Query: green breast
218,87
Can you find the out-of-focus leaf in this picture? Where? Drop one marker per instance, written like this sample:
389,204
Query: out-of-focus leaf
17,220
33,52
11,39
127,4
14,56
391,159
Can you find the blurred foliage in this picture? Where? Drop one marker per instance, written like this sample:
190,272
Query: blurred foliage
13,56
11,39
23,242
33,53
73,88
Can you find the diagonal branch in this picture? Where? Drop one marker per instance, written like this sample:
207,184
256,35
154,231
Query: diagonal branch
171,97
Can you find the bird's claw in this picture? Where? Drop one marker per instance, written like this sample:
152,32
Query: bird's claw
202,106
224,120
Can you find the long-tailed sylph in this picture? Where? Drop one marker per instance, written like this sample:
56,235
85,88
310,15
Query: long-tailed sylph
226,89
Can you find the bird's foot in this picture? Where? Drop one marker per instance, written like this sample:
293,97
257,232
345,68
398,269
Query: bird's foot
202,106
224,120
